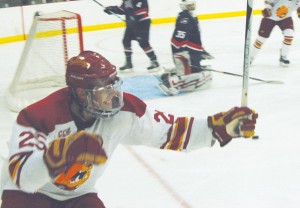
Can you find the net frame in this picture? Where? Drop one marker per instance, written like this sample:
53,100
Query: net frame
22,93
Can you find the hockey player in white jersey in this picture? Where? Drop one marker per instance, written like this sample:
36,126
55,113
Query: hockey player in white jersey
277,12
61,144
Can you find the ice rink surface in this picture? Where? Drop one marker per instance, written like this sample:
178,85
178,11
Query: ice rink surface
261,173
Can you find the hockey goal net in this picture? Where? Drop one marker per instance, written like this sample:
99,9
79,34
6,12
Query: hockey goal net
52,40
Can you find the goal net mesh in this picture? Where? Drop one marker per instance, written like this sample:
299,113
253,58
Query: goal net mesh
52,40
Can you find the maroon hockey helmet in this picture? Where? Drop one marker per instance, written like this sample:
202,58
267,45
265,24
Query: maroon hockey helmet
89,69
98,77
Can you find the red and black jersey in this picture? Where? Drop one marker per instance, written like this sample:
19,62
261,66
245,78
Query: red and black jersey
186,36
136,9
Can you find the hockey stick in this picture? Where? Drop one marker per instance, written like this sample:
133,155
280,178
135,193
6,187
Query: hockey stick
246,77
247,53
253,78
239,75
111,12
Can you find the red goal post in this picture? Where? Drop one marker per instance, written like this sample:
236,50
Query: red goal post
53,39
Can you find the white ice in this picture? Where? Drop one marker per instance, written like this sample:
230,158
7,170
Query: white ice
263,173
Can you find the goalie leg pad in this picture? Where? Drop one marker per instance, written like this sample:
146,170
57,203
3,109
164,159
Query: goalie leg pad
173,84
182,63
191,82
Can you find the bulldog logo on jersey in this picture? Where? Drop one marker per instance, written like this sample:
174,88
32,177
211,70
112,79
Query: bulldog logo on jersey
282,11
75,176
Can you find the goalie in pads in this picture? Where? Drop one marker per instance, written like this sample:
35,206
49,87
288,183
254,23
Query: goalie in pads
188,51
181,79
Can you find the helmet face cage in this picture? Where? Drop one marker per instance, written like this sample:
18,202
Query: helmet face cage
105,102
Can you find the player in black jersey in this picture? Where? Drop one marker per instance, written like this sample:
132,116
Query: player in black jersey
188,75
137,28
187,36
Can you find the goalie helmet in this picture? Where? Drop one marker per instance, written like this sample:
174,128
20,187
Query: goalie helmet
94,73
185,3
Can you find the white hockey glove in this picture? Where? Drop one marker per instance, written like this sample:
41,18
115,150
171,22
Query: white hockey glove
237,122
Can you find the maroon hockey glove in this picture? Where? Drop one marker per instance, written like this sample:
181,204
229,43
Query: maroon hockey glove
80,147
266,12
237,122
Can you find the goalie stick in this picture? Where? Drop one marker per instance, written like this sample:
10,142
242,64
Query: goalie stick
111,12
253,78
207,68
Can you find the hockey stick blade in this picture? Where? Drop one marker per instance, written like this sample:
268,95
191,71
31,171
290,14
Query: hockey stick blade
269,81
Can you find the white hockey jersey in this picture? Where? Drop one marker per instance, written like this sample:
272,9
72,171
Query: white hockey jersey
282,9
39,124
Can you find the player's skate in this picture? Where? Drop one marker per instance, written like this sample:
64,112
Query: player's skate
154,66
127,67
284,62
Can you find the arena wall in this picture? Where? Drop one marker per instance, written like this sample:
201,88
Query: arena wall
16,21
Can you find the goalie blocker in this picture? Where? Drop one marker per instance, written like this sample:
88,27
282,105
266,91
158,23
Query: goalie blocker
181,79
